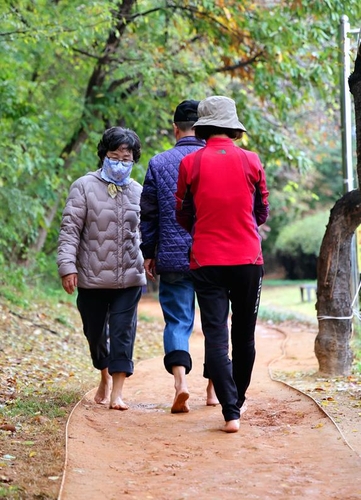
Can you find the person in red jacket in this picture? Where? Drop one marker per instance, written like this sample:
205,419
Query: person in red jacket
221,200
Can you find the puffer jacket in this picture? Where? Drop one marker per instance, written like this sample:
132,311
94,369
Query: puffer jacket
99,235
162,237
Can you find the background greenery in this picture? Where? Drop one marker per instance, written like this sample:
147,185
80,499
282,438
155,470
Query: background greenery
70,69
281,301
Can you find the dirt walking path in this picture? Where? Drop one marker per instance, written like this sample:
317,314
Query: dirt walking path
287,448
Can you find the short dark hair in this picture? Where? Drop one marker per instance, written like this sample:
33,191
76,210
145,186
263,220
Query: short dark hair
117,136
185,126
206,131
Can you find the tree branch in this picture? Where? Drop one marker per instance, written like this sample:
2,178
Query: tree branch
191,10
240,64
117,83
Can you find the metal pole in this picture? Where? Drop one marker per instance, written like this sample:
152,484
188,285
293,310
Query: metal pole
346,130
346,123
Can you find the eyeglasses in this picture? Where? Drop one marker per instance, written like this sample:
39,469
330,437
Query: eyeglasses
122,153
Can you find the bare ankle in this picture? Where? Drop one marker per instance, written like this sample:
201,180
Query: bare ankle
231,426
212,399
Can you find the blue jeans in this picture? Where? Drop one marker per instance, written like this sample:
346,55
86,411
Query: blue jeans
177,300
216,287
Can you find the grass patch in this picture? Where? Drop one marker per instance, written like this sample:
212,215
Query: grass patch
49,405
13,492
278,316
283,302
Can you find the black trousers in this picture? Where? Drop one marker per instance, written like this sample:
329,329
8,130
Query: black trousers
110,348
218,287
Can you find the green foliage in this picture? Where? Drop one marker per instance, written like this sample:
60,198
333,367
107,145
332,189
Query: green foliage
21,285
294,194
71,69
13,492
302,237
48,405
21,215
298,243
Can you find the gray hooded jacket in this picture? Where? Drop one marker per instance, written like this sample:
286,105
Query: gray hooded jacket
99,236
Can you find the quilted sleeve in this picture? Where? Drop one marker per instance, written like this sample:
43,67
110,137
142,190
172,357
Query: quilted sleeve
72,224
149,215
184,201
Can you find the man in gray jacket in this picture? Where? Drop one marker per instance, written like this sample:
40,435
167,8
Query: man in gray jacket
165,246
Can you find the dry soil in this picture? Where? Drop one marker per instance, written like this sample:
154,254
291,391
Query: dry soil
287,447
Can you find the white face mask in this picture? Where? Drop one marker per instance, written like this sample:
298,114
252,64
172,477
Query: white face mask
116,171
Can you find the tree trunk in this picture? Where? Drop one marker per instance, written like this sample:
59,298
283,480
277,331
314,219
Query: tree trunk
96,81
334,299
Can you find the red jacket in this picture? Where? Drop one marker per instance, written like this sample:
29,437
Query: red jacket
221,199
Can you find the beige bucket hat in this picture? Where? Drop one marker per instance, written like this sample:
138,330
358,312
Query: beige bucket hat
219,111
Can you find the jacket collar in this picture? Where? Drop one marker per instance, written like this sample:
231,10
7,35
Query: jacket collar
190,141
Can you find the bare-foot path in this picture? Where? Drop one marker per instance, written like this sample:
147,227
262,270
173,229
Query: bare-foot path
287,448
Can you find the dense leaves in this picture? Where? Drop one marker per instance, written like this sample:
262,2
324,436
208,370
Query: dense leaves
298,246
71,69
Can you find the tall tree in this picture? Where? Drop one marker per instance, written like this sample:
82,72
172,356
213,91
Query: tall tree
91,111
71,68
334,301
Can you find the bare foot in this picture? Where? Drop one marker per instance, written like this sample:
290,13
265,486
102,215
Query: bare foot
212,399
102,396
231,426
118,404
180,404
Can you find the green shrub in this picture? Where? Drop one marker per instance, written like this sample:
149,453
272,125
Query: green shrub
298,245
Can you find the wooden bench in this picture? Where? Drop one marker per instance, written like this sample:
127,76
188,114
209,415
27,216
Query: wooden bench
308,287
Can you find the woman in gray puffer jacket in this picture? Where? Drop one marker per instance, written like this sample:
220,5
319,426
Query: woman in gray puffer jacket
98,253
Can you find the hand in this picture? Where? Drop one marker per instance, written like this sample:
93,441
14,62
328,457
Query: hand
70,282
149,266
